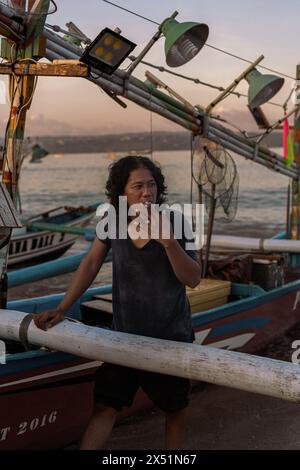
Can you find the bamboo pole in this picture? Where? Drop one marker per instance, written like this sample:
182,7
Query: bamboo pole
166,103
227,368
41,69
269,162
63,53
157,82
218,139
57,48
262,150
130,84
145,103
265,155
66,45
148,104
224,93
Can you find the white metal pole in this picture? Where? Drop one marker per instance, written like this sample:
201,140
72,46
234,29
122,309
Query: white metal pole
227,368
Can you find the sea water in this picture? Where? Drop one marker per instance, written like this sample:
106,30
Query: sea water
79,179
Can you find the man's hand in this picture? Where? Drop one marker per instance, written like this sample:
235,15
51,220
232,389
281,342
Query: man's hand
49,318
149,224
161,228
156,225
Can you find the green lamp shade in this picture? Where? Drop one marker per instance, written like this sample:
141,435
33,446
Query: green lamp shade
262,87
183,41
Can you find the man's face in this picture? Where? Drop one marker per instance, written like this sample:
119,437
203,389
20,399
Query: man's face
140,187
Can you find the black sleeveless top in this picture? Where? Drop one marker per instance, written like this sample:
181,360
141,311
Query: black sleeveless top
148,299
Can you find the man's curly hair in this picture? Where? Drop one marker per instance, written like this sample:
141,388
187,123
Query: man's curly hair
119,172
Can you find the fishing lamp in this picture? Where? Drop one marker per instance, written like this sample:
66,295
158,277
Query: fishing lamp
183,41
107,51
261,87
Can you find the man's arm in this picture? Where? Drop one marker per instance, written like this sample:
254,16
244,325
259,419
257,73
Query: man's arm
83,278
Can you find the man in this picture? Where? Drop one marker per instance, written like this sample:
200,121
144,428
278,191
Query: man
150,273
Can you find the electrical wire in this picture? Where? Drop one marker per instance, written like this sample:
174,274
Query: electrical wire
58,29
288,99
12,59
7,128
206,44
200,82
219,118
277,123
55,7
248,61
132,12
25,105
17,80
176,74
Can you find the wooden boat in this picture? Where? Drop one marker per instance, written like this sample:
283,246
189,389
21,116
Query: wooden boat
245,318
30,246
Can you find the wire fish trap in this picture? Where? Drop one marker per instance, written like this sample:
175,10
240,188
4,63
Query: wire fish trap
215,172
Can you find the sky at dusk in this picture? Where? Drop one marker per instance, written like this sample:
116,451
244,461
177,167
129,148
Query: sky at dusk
73,106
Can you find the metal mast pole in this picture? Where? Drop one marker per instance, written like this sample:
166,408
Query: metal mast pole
296,183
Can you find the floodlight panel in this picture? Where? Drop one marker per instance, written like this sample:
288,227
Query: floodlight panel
107,51
110,49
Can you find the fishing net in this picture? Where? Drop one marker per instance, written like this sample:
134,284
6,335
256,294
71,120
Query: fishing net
215,172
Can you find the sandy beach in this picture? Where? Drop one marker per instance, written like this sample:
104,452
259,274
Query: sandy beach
222,418
219,418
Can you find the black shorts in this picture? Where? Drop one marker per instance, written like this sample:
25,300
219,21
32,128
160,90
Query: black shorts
116,386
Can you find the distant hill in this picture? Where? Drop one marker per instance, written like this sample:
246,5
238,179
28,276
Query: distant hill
133,142
139,142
